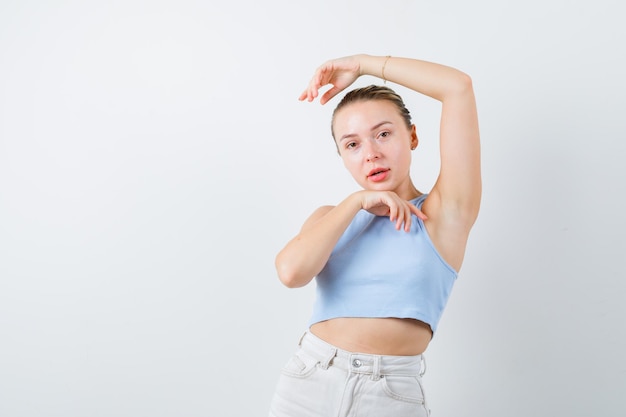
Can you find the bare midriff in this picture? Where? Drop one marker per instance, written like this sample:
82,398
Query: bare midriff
380,336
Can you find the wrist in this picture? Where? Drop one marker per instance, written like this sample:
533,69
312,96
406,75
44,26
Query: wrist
375,65
383,68
355,200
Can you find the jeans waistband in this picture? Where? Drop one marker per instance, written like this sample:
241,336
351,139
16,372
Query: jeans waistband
362,363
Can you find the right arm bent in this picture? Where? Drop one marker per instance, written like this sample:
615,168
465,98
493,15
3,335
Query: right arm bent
305,255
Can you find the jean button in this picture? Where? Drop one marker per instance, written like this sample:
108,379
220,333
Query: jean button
356,363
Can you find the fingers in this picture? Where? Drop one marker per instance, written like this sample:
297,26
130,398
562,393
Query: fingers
419,213
395,214
389,204
339,72
402,214
310,93
327,74
312,90
407,214
329,95
407,222
307,95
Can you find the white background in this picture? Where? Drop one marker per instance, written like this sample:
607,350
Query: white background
154,158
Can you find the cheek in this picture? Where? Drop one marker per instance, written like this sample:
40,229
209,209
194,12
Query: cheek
404,156
352,165
348,163
348,157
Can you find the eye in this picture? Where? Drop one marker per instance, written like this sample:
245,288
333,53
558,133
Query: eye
384,134
350,145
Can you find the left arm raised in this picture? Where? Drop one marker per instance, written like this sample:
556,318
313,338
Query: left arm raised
454,201
459,181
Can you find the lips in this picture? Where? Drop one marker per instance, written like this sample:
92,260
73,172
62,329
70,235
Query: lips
377,174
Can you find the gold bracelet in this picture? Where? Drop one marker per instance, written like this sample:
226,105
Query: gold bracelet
383,71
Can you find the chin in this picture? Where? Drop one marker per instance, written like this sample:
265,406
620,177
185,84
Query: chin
381,187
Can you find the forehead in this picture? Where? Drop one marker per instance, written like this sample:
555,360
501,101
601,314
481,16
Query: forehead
365,114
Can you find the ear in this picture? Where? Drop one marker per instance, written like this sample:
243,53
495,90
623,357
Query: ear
414,139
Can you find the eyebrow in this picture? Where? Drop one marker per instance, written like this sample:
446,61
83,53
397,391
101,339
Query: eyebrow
352,135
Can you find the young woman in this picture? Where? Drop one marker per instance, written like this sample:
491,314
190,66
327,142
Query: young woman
386,257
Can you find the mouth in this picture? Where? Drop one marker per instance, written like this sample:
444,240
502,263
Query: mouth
377,174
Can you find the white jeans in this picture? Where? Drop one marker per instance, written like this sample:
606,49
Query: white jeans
320,380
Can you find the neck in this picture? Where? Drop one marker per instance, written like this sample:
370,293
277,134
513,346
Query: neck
410,193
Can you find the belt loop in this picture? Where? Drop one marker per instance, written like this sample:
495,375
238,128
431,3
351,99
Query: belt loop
422,365
325,363
376,368
302,338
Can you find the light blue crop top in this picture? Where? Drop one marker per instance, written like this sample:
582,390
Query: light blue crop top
378,271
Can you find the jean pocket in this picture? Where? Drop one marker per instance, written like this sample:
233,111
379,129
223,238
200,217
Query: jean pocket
300,365
404,388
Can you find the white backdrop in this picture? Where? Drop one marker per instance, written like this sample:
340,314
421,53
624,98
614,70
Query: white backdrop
154,158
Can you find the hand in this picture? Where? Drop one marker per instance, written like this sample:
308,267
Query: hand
340,72
388,203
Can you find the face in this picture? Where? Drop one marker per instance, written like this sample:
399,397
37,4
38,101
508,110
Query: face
375,145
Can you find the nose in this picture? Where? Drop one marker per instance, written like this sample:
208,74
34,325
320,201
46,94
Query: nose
372,153
372,157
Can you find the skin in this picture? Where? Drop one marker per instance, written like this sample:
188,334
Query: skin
375,145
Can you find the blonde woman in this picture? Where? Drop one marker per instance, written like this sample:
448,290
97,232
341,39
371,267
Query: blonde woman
385,258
